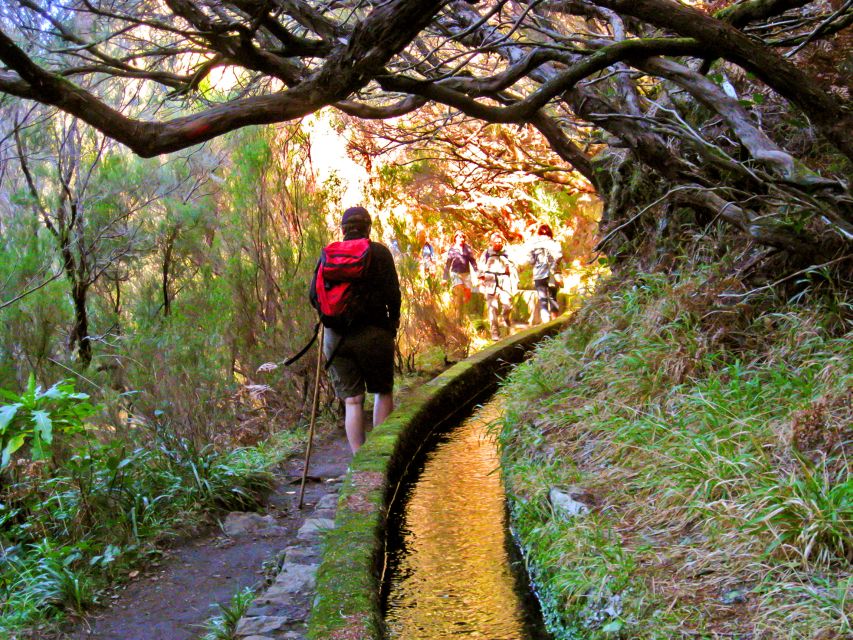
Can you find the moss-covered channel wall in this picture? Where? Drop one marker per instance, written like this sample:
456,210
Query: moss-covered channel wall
347,605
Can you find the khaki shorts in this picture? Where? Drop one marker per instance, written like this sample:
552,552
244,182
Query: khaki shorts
365,359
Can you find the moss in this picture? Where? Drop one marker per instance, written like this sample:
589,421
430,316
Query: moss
347,603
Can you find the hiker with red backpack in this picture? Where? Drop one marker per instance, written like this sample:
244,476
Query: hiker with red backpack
357,293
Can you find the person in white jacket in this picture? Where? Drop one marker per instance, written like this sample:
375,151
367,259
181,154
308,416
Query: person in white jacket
545,255
498,280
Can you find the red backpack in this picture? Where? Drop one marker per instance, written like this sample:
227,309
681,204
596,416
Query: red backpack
337,292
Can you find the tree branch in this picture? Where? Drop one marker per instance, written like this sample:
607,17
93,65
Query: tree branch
725,41
386,30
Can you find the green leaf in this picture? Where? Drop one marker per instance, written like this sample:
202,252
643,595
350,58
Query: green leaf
7,414
11,447
614,626
43,426
36,448
29,396
758,98
5,393
54,392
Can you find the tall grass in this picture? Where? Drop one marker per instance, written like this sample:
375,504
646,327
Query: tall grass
715,442
67,534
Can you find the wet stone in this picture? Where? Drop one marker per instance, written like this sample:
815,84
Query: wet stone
327,514
302,555
313,527
239,523
280,613
296,577
265,607
262,625
565,505
328,501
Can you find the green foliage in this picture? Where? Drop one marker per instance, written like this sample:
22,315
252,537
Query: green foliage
66,536
41,577
32,325
810,513
36,416
701,430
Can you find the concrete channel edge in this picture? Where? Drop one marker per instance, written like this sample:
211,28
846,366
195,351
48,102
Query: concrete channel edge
347,601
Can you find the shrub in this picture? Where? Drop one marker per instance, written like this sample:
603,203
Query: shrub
35,416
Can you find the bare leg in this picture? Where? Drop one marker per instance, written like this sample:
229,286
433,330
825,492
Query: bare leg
383,404
354,421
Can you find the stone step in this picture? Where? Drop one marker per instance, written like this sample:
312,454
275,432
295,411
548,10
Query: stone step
281,612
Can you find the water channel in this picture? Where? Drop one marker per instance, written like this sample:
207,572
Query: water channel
452,566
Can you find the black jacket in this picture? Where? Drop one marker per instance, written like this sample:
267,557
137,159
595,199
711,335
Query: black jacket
382,289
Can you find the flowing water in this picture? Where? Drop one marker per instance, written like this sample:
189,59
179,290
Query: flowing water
452,567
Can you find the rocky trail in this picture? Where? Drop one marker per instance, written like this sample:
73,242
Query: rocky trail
173,598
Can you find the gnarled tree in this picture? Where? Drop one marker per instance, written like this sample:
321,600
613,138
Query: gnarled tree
678,97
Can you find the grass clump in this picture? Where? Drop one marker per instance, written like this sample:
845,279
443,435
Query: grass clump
713,442
223,624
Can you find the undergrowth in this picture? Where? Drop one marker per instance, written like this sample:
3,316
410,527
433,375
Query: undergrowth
713,441
69,532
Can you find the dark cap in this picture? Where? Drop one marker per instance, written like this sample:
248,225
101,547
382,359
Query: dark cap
356,216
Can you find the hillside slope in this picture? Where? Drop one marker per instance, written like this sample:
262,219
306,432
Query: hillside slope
710,433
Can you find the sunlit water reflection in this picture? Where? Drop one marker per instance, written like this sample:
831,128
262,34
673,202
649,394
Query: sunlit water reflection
450,572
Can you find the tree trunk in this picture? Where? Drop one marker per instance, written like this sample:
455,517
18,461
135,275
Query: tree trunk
167,267
80,330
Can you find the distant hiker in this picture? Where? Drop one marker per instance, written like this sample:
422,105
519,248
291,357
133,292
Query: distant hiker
427,257
498,279
457,269
359,338
427,252
545,255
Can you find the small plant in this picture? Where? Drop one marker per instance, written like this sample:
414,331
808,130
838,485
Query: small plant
811,515
223,625
36,415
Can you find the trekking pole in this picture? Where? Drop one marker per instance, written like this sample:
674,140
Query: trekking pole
314,404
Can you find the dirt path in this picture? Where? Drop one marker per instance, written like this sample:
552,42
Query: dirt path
172,600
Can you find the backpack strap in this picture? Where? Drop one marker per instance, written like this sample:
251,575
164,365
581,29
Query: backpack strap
304,349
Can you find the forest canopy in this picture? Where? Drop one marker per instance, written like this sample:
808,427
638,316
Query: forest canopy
732,111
